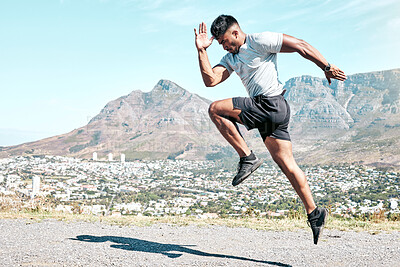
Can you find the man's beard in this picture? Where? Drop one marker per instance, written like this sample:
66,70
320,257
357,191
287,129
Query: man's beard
235,48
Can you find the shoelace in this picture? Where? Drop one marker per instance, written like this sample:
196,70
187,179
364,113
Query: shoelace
312,222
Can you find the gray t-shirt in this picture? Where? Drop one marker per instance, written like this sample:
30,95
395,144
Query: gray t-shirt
256,63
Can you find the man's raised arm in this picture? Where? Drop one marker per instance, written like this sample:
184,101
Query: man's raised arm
292,44
211,76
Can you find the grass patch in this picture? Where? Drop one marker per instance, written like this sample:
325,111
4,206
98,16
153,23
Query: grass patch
281,224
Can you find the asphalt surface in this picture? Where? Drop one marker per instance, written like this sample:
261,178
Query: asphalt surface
55,243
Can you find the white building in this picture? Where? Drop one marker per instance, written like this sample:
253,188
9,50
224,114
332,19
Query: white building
393,204
35,186
110,157
122,157
94,156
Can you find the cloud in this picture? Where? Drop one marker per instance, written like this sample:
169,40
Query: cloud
360,7
150,28
394,24
181,13
183,16
286,11
377,16
368,21
144,4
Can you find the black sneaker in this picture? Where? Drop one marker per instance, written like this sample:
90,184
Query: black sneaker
316,220
247,165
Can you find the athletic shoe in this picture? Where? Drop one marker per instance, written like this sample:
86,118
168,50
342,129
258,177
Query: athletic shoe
316,220
247,165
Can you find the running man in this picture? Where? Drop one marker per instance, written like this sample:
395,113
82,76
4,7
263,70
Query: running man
254,59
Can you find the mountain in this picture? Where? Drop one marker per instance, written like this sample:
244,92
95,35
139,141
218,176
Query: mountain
356,120
352,121
168,121
358,101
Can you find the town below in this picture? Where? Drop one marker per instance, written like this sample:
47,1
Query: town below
190,188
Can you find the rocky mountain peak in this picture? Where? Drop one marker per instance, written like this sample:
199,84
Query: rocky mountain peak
168,87
305,80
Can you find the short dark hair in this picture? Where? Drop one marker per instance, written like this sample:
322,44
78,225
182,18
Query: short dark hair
221,25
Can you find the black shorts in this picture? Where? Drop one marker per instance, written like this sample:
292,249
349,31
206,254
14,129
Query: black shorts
269,114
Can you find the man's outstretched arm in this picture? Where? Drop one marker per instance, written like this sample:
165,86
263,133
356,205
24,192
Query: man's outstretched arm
291,44
211,76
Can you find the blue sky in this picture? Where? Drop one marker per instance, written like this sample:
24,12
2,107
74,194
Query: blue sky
61,61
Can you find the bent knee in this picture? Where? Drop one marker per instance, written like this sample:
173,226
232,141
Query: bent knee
223,108
213,110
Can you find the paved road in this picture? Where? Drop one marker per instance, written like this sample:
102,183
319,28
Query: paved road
55,243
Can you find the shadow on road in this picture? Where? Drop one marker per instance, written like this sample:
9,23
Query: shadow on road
170,250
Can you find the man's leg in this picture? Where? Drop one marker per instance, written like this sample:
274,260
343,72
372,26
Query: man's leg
225,116
219,112
281,152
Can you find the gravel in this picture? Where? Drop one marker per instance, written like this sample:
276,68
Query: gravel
56,243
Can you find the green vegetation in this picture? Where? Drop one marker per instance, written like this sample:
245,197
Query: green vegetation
366,133
223,153
252,222
141,197
95,140
77,148
176,154
135,136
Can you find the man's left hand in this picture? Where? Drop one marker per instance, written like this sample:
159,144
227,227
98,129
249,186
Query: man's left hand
335,73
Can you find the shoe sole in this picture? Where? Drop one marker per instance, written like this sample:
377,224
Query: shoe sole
253,169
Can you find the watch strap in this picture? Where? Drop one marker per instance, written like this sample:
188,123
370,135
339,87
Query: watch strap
327,67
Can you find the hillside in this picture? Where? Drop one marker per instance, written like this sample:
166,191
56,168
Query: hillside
168,121
352,121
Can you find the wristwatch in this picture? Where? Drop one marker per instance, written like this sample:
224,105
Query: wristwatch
327,67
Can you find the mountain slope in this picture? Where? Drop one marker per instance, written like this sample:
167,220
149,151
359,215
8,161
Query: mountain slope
167,121
356,120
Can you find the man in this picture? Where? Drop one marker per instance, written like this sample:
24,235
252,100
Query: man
253,58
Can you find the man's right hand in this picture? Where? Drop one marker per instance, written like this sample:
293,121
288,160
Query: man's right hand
202,42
